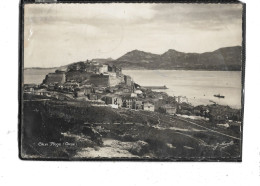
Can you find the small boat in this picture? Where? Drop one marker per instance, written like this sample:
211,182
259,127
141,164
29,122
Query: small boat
219,96
212,101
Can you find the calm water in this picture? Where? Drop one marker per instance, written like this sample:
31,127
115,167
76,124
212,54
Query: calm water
198,86
36,76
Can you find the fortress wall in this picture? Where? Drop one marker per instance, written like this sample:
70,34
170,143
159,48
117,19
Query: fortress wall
100,80
52,78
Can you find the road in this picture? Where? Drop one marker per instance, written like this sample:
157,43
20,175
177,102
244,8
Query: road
211,130
192,123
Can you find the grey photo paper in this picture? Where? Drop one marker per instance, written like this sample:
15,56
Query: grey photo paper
131,81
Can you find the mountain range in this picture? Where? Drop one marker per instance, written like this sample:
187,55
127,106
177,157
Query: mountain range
224,59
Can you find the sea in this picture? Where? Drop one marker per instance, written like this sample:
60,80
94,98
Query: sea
36,76
198,86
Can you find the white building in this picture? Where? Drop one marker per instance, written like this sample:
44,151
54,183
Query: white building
138,92
133,95
103,69
181,99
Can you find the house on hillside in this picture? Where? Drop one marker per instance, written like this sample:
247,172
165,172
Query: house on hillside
133,95
168,109
92,96
113,100
138,104
41,92
181,99
84,91
159,103
103,69
128,101
148,107
71,86
29,88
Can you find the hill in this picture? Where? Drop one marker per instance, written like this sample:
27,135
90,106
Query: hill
223,59
228,58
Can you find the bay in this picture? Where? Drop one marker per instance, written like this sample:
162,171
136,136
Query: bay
36,76
198,86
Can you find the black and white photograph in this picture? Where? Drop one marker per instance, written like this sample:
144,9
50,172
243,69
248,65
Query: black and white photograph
130,93
132,81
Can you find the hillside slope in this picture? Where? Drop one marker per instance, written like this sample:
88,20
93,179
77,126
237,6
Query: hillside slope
228,58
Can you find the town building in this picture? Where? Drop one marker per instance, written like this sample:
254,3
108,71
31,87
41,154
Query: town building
128,80
51,87
126,90
70,86
80,93
85,90
138,92
128,101
103,69
148,107
159,103
113,100
133,95
92,96
168,109
29,88
138,104
41,92
181,99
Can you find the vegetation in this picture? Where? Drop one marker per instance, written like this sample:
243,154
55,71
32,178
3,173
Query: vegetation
150,131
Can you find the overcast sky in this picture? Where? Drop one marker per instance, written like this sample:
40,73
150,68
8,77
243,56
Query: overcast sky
58,34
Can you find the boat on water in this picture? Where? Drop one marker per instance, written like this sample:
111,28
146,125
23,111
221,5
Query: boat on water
212,102
219,96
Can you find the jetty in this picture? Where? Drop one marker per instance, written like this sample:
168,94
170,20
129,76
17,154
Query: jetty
155,87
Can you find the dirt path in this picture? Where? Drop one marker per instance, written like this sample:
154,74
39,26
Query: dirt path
211,130
192,123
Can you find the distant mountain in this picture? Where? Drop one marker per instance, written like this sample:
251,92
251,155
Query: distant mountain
223,59
137,56
228,58
103,60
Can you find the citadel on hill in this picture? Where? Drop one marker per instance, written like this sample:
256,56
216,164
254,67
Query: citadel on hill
101,84
87,73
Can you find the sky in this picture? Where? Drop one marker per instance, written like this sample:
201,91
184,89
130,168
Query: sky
59,34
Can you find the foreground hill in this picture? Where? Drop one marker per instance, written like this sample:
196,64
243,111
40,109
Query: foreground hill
226,59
